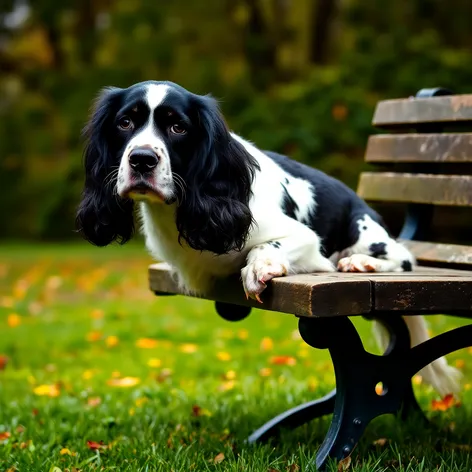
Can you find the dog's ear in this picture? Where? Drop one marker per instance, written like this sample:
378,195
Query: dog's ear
103,217
215,214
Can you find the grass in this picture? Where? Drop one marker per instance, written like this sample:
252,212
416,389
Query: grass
96,373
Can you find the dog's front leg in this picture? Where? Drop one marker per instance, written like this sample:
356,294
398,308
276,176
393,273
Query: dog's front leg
295,253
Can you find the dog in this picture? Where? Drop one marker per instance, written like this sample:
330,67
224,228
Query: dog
213,204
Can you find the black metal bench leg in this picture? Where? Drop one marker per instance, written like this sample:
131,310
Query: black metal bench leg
294,418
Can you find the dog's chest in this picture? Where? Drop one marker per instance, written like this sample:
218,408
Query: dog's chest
195,269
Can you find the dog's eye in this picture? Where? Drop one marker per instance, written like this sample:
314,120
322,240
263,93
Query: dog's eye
177,129
125,123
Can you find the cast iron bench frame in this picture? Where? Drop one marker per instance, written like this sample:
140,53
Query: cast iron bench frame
323,318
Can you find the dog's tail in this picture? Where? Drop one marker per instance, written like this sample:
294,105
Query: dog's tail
444,378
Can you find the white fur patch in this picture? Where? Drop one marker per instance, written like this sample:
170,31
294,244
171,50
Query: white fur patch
155,95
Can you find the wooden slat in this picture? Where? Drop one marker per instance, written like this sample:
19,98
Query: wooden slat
448,109
426,252
301,295
425,290
436,147
449,190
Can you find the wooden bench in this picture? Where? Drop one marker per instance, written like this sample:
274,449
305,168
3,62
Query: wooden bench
425,168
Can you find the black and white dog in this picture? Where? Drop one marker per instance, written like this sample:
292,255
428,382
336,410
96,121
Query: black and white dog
213,204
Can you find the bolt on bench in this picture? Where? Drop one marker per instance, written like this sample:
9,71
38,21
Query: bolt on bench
425,168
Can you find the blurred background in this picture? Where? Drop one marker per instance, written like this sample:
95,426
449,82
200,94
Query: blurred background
296,76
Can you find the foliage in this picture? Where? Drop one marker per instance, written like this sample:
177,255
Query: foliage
96,373
300,77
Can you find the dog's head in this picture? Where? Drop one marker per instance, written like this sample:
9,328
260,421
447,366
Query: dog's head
157,142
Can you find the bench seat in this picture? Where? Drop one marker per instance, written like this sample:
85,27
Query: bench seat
425,289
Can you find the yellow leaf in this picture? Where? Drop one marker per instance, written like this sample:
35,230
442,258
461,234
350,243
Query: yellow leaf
344,464
146,343
267,344
225,386
219,458
64,451
223,356
188,348
111,341
265,372
124,382
13,320
153,362
47,390
53,282
230,375
243,334
88,374
7,302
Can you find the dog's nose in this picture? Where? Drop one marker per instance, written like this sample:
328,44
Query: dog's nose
143,159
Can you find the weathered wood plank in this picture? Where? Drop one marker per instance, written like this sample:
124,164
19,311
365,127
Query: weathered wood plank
400,113
301,295
443,253
449,190
435,295
436,147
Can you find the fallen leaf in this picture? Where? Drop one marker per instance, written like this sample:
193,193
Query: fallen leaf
111,341
265,372
223,356
344,464
443,404
219,458
146,343
53,282
96,445
283,360
97,314
64,451
124,382
293,468
3,362
267,344
47,390
4,435
94,401
243,334
153,362
230,375
380,442
188,348
93,336
225,386
13,320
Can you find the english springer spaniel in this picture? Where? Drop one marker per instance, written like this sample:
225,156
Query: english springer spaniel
213,204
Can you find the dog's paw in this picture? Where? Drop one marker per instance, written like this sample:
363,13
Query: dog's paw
256,275
358,263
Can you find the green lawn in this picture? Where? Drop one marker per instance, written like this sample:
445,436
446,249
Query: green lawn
88,355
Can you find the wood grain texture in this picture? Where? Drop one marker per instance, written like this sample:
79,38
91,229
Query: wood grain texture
425,290
400,113
435,147
301,295
449,190
428,252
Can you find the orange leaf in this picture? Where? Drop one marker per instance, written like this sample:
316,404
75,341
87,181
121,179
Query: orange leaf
94,336
96,445
4,436
146,343
64,451
443,404
3,362
265,372
13,320
219,458
283,360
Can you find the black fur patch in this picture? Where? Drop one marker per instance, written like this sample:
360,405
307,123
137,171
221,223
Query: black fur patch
377,249
289,206
406,266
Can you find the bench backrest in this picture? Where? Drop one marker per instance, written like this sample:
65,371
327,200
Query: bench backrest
424,160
